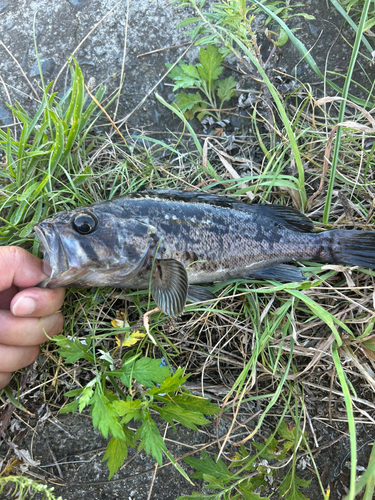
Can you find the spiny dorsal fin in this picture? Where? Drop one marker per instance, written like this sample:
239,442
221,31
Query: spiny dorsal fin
289,217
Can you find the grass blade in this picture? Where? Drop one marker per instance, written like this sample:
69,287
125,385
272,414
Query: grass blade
345,94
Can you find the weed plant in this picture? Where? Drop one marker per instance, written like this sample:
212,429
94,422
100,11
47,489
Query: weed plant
270,360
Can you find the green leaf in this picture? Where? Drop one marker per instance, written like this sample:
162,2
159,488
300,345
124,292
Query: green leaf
74,393
177,466
187,101
247,490
151,440
206,465
105,417
283,38
185,417
72,350
289,488
117,451
286,433
267,449
146,371
187,22
129,409
172,383
13,400
84,400
199,496
210,60
213,482
226,88
190,402
70,407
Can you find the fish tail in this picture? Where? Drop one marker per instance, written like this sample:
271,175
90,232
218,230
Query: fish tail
353,248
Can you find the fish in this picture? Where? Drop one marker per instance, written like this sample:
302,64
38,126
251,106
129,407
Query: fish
172,242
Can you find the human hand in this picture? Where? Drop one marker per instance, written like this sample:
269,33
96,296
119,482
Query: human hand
24,311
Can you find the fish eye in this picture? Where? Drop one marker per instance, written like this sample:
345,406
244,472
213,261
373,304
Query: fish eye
85,223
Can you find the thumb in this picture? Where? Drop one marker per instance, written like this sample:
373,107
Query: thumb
20,268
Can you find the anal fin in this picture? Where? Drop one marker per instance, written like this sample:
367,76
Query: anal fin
199,294
281,272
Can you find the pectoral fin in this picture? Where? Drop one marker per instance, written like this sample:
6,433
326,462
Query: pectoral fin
169,286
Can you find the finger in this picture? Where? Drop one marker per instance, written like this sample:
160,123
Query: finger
13,358
6,297
4,379
37,302
28,331
20,268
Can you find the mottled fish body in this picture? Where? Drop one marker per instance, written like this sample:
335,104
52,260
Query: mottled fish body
174,240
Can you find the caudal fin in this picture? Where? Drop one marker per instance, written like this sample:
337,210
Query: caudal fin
354,248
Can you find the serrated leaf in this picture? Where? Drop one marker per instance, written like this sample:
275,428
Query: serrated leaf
184,76
210,60
226,88
190,71
247,490
129,409
187,418
146,371
289,488
74,393
151,440
174,73
172,383
187,101
85,398
105,416
116,452
269,452
192,403
286,433
185,83
72,350
206,465
70,407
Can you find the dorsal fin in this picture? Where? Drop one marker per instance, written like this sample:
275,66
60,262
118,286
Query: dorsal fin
286,216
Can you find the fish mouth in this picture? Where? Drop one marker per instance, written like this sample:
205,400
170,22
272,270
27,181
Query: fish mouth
55,260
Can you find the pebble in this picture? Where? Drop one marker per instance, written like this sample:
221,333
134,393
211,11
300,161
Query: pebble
5,116
79,4
47,66
3,6
314,30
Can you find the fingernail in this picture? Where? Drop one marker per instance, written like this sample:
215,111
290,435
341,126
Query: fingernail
24,306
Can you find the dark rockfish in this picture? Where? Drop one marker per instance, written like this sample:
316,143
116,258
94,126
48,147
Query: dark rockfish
172,240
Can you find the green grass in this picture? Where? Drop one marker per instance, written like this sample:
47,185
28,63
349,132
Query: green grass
265,344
